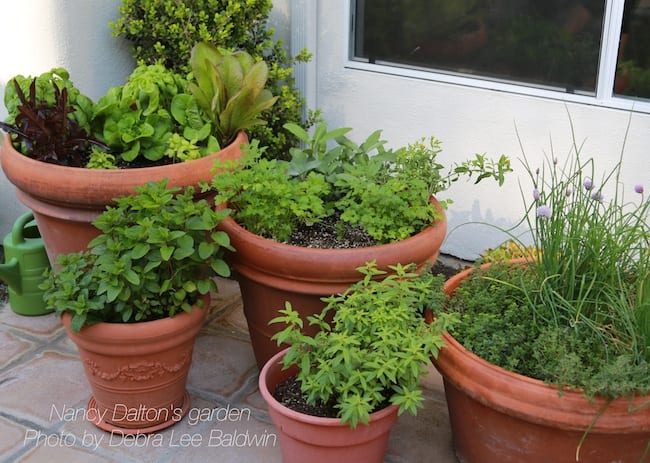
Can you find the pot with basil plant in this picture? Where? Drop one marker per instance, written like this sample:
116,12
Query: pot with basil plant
134,302
550,359
335,396
69,157
302,227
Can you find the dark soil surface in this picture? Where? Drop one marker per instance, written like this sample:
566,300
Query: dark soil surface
289,394
331,233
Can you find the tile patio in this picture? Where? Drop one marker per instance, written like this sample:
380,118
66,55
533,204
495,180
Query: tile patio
41,375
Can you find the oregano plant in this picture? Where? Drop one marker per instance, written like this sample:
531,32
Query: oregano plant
375,349
385,192
157,255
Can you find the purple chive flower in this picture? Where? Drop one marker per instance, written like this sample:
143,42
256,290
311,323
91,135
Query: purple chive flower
536,194
569,191
588,184
597,196
638,188
544,211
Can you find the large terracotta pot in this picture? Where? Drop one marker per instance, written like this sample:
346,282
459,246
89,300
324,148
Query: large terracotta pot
138,371
270,273
66,200
500,416
305,438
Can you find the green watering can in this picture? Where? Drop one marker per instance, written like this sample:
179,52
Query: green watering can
25,262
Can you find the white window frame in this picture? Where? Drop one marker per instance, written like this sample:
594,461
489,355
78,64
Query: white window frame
604,96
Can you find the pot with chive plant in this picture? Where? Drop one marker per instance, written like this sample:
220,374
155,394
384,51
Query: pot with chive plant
134,302
335,396
69,157
550,360
371,203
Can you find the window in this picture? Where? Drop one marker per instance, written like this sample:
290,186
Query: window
567,46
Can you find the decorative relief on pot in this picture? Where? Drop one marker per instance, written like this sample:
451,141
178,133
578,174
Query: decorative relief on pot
139,371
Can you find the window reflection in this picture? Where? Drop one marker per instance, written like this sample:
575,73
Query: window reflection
542,43
633,67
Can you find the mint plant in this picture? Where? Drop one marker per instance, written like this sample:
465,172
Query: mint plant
375,349
158,253
385,192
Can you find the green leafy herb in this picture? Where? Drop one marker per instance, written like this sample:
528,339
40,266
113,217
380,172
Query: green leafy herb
375,349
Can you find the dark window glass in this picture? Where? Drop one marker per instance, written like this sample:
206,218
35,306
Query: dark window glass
545,43
633,70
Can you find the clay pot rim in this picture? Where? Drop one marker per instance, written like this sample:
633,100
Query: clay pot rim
272,262
117,333
438,227
303,417
100,186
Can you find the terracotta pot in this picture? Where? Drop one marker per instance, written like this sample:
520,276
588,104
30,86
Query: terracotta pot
500,416
270,273
66,200
305,438
138,371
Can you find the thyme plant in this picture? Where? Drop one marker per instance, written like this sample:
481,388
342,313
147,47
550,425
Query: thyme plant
578,314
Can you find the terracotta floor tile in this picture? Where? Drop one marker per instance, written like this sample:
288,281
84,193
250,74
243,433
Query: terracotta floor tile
12,436
12,348
234,441
146,449
42,326
59,453
49,382
221,364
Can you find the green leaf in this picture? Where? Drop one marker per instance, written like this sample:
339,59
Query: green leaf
166,252
132,277
221,268
206,250
140,250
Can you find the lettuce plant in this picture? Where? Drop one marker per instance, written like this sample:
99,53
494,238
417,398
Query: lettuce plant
164,32
157,116
53,126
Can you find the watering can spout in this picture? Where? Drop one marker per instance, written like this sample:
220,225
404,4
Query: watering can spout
10,274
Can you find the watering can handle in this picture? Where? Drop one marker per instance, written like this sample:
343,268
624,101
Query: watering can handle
17,235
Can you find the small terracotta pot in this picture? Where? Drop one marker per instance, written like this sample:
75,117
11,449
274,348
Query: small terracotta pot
500,416
270,273
305,438
66,200
138,371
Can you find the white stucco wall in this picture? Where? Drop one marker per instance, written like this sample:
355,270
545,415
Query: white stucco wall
75,34
41,34
466,120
